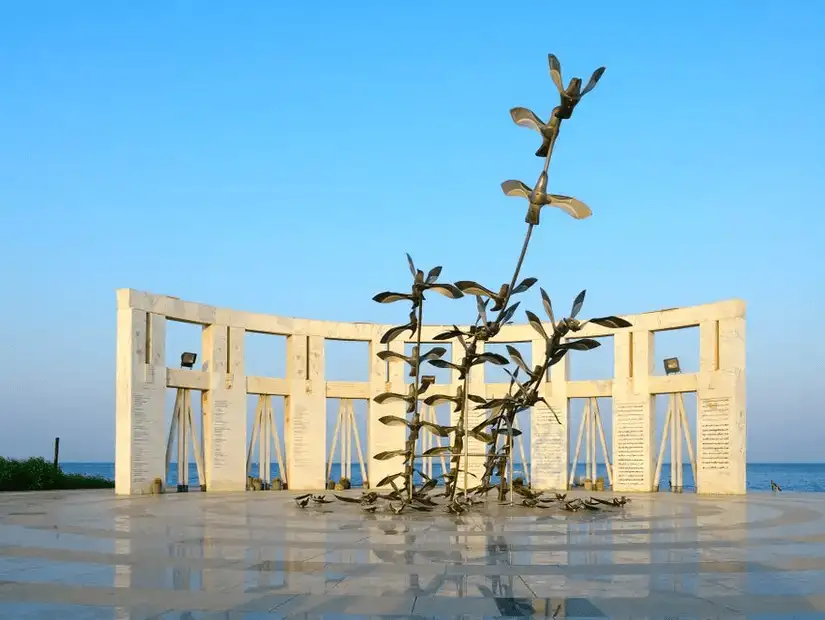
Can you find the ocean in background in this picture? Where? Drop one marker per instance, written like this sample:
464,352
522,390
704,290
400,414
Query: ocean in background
798,477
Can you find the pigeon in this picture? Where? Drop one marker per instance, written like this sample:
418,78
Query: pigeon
302,500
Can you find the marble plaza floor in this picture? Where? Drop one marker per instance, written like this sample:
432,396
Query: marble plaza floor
89,555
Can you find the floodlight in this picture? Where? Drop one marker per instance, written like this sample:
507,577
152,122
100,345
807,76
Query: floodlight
187,360
672,366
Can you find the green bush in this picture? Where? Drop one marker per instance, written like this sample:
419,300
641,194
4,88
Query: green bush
37,474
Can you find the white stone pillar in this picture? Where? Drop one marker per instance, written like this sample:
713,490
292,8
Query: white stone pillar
633,412
549,437
720,403
224,408
140,448
306,413
381,438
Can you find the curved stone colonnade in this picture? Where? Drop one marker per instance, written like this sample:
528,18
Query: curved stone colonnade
143,378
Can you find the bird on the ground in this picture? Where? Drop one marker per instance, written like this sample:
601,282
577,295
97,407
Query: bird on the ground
302,500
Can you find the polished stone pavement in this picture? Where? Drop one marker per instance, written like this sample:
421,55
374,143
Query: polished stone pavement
89,555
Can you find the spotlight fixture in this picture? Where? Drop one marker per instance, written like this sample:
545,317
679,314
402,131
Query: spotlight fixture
672,366
187,360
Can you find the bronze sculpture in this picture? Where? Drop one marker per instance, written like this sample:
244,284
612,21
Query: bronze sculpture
401,487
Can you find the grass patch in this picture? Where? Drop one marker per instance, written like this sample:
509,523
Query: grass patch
37,474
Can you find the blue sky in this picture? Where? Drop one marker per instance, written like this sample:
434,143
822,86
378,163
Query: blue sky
282,158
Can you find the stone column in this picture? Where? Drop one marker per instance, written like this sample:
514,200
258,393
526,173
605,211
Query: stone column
224,408
549,436
720,404
633,412
140,431
306,413
380,437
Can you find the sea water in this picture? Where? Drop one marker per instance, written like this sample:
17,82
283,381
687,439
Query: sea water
797,477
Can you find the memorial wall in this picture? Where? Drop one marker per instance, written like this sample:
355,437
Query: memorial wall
142,380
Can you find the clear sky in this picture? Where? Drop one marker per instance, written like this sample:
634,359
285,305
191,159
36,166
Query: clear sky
282,157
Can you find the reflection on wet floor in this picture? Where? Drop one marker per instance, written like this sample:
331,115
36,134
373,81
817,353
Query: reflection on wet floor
252,556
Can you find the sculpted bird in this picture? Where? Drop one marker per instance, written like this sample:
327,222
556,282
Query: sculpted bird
549,130
538,198
571,95
302,500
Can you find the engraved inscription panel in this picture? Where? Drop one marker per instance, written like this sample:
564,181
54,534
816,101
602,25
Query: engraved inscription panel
141,438
631,450
220,433
715,422
548,453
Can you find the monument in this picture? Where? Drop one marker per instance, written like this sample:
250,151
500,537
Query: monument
143,380
484,413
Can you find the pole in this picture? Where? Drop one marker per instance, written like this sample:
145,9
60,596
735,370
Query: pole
57,452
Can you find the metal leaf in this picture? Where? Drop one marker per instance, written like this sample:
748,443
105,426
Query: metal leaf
483,437
433,353
388,479
437,450
448,335
437,429
410,262
448,290
386,355
437,399
388,396
389,454
433,275
508,314
526,118
614,322
555,72
524,285
548,308
393,333
515,355
474,288
428,486
393,420
388,297
476,398
481,305
493,358
536,324
443,364
493,403
351,500
516,188
585,344
577,304
574,207
594,79
557,356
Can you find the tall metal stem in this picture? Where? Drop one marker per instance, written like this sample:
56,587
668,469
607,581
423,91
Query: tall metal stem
416,421
527,236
